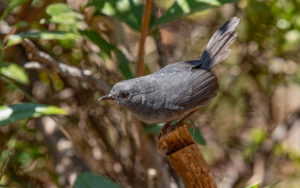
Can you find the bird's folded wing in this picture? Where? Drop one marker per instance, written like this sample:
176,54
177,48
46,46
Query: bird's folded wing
202,87
192,86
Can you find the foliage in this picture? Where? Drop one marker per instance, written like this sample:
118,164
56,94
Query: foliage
14,72
194,131
184,8
62,14
90,180
56,35
131,12
107,49
14,112
252,122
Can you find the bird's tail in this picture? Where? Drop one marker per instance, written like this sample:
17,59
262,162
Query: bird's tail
217,48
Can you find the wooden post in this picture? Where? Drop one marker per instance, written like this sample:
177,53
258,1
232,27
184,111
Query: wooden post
186,159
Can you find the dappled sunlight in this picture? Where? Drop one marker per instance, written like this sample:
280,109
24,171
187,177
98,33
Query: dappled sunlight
58,58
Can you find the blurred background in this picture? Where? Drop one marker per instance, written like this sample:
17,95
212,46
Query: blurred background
59,57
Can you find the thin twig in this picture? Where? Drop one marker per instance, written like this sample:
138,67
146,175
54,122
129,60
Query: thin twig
160,50
144,32
11,153
34,54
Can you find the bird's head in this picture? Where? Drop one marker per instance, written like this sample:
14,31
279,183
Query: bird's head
126,93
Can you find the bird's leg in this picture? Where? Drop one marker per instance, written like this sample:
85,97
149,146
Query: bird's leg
164,129
180,122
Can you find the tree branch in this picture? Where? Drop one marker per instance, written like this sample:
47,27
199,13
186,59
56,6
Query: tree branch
144,32
11,153
34,54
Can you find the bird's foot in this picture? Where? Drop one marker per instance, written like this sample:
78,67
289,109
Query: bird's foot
167,128
164,130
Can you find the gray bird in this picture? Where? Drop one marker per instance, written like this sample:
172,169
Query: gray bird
179,89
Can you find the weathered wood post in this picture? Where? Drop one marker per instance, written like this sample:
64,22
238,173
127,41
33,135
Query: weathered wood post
186,159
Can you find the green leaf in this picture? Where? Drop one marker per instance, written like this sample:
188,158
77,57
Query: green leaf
91,180
182,8
258,135
12,4
15,72
46,35
107,48
128,11
13,40
255,185
15,112
154,128
94,37
195,132
61,13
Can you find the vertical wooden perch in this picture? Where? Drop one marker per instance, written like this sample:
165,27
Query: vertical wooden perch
186,159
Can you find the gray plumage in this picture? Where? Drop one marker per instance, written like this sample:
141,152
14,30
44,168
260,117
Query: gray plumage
177,89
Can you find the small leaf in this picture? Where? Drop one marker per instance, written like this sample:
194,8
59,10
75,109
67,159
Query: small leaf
46,35
195,132
94,37
154,128
255,185
258,135
91,180
61,13
58,8
48,110
182,8
15,72
13,40
15,112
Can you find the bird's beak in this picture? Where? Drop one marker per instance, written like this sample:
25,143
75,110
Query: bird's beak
106,97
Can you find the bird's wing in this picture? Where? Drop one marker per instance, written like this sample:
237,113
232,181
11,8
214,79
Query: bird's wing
192,86
204,86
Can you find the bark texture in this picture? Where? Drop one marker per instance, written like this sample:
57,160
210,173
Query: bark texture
186,159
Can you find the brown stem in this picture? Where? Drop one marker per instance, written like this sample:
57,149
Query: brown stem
186,159
11,153
163,61
144,32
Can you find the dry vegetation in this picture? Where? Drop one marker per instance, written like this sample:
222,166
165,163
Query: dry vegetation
69,54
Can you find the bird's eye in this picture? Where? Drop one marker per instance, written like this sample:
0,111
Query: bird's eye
124,95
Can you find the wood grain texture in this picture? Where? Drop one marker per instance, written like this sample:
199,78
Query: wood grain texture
186,159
